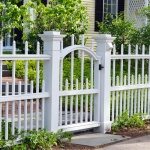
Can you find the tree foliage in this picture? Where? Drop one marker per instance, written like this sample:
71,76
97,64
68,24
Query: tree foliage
66,16
122,29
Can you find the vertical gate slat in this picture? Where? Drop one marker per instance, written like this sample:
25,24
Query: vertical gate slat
37,86
6,111
19,107
82,86
66,103
31,107
26,87
86,103
92,86
72,73
13,88
77,99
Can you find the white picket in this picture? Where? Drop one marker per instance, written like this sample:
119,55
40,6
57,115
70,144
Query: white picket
19,107
26,87
37,86
31,107
43,105
66,103
77,102
86,102
125,95
82,82
6,111
13,88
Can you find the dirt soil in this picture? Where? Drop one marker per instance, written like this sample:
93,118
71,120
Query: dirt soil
131,132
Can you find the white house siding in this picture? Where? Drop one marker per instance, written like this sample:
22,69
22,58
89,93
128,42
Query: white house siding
90,5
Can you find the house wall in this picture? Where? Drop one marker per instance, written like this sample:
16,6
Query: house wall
90,5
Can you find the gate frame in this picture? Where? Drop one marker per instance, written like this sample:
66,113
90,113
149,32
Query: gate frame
52,46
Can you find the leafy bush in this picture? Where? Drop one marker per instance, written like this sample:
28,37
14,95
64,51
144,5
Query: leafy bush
37,140
120,28
124,121
67,16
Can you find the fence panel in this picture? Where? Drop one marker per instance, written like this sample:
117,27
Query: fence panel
130,81
21,100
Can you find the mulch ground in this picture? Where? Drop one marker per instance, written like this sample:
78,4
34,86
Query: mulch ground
131,132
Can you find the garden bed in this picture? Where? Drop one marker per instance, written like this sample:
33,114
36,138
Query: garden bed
135,132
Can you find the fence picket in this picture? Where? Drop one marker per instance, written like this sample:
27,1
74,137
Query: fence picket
19,107
31,107
72,73
125,95
121,77
13,87
76,104
132,96
37,86
82,82
145,95
6,111
139,93
86,102
26,87
66,103
117,97
92,86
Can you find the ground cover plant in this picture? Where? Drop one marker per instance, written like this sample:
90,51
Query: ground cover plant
132,126
36,140
126,121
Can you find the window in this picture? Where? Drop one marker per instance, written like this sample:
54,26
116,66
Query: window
110,7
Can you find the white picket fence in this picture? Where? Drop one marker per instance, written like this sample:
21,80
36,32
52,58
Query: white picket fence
130,85
117,83
20,105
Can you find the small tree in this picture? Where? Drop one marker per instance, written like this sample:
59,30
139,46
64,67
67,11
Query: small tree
120,28
10,17
67,16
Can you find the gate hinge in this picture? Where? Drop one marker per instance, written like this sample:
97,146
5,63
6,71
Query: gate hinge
100,67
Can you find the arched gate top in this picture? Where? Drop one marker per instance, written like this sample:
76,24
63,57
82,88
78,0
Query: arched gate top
70,49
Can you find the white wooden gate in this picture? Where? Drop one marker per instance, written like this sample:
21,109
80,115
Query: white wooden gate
79,94
77,101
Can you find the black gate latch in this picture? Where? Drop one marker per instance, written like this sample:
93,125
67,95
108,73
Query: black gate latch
100,67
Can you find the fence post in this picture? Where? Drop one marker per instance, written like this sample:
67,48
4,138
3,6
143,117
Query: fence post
52,43
104,46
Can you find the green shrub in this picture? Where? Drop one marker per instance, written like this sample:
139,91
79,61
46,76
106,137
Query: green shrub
122,29
124,121
36,140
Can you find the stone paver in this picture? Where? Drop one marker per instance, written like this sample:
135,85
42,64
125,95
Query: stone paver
141,143
96,139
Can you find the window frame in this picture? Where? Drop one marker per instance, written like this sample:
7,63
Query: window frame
106,3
